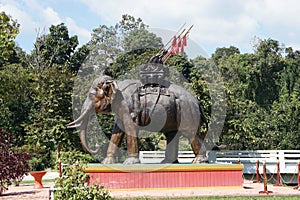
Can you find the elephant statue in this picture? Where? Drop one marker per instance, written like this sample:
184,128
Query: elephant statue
154,106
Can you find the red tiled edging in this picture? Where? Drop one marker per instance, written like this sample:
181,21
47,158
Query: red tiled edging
160,176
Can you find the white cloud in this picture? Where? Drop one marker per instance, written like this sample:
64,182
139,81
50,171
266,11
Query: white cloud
50,16
30,14
17,13
83,34
216,22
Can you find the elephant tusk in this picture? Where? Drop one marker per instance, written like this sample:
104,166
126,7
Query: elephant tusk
73,125
80,118
82,136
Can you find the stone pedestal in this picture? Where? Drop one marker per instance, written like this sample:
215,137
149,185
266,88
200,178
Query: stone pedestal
166,176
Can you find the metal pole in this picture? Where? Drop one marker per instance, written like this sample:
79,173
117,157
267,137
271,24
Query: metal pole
298,186
59,168
265,191
257,172
58,160
278,175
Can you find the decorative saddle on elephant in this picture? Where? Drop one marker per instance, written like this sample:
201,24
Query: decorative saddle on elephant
153,85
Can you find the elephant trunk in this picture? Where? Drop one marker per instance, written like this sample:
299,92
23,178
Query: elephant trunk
82,122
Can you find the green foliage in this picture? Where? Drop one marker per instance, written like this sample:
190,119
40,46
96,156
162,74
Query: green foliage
76,60
9,29
74,185
141,39
221,53
180,64
72,156
120,48
56,48
262,90
40,156
16,101
126,64
51,112
129,23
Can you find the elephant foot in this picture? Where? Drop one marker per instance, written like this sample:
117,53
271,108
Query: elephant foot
200,159
131,160
165,161
109,160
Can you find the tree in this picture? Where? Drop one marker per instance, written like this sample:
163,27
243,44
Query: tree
268,65
55,48
13,163
117,48
223,53
180,64
141,39
16,94
9,29
262,103
54,62
50,114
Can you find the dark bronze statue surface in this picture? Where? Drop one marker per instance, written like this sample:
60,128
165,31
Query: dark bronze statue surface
151,103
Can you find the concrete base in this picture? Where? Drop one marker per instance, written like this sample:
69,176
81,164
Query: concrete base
165,176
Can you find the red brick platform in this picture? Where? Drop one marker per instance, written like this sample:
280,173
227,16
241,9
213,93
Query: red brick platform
160,176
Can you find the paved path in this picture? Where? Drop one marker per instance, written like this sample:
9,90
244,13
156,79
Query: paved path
27,192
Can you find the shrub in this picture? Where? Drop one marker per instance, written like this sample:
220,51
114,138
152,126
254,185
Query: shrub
13,164
70,157
74,184
39,156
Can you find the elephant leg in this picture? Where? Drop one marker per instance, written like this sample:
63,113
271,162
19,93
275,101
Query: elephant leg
114,143
199,149
132,145
171,155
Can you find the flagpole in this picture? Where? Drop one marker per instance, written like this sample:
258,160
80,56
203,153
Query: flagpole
183,32
171,39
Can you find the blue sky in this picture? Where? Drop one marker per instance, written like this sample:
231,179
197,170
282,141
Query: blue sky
217,23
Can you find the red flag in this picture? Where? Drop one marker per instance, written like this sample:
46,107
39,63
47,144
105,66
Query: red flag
172,50
181,49
178,46
184,41
173,46
174,41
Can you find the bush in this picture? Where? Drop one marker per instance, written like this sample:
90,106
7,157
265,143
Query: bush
13,164
40,156
74,184
70,157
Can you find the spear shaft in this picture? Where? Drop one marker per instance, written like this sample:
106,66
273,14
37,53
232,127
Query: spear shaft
183,34
162,49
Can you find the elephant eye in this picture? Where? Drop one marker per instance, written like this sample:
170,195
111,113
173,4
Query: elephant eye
100,94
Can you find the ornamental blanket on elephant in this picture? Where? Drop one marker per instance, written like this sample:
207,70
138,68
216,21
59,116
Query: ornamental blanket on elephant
147,111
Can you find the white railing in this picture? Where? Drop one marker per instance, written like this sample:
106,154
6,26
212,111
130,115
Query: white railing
288,159
152,157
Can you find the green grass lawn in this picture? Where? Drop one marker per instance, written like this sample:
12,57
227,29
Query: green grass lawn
31,182
230,198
